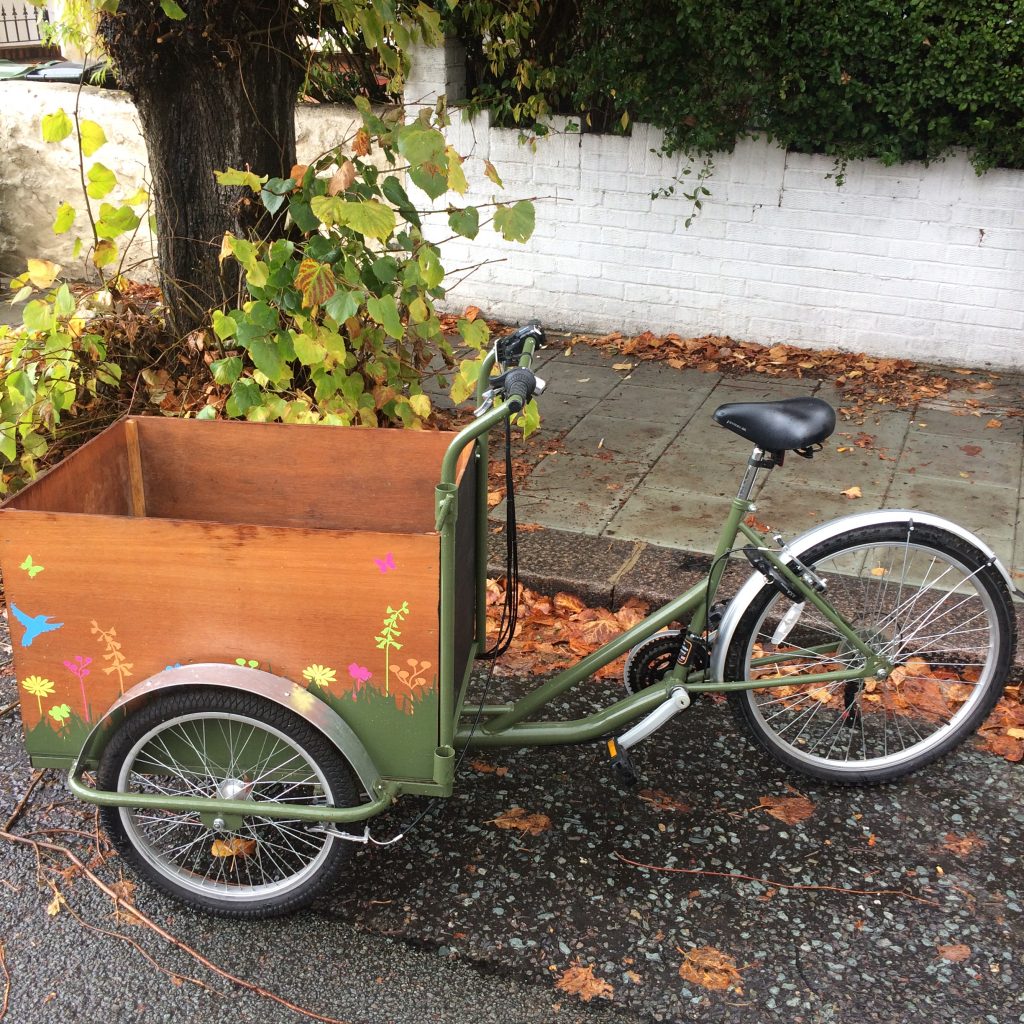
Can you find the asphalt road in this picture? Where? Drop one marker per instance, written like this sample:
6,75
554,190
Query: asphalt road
464,921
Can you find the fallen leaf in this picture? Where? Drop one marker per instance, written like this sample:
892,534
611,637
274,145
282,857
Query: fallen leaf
236,846
519,819
971,449
789,809
494,497
623,366
662,801
962,846
879,571
852,492
993,424
710,968
956,953
53,907
580,981
471,313
488,769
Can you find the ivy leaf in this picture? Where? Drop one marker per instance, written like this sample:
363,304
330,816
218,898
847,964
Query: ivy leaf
101,181
308,350
172,10
227,371
56,126
515,223
42,273
91,135
420,405
315,281
66,214
369,218
474,332
385,312
223,326
456,176
105,253
244,178
266,357
465,222
341,305
493,174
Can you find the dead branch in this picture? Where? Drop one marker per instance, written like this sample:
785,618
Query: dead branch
20,806
779,885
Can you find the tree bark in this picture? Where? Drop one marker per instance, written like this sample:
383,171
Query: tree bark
213,91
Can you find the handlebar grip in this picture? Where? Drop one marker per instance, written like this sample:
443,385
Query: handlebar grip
520,384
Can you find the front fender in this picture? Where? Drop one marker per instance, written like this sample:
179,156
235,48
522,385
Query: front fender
746,594
249,680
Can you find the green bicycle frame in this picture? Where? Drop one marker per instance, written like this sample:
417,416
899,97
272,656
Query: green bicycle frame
513,725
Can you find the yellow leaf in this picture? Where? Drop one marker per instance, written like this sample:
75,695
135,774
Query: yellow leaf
420,405
622,366
42,273
852,492
879,571
1017,734
104,253
53,907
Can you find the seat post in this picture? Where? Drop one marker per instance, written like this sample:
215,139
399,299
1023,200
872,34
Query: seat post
759,459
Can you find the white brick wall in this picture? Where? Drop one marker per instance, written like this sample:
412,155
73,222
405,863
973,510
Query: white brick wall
912,261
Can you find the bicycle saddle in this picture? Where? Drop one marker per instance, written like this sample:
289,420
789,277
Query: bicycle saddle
781,426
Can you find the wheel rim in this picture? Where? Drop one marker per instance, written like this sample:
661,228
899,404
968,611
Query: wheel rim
219,754
921,609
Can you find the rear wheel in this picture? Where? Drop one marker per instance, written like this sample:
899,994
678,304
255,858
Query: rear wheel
928,601
228,745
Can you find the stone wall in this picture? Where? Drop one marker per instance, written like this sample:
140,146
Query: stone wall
910,261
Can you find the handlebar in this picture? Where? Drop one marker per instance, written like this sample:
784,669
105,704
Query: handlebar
518,383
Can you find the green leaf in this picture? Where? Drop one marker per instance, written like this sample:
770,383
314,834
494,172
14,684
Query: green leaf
115,221
266,357
105,253
101,180
315,281
38,316
8,442
369,218
465,222
208,412
474,332
302,216
227,371
529,418
430,179
223,326
246,179
64,302
456,176
491,173
57,126
395,194
92,136
385,312
421,144
172,10
109,374
66,214
515,223
245,393
341,305
308,350
430,267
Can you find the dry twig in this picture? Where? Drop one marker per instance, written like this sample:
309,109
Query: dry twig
779,885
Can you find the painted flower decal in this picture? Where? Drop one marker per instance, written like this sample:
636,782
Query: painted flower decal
39,688
360,674
320,675
60,714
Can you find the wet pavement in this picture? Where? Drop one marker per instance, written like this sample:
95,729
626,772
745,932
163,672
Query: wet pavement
463,920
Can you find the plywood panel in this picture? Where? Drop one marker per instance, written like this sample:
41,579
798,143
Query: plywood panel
94,480
275,474
131,596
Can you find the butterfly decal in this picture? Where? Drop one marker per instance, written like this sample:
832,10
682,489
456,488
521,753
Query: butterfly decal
31,568
386,563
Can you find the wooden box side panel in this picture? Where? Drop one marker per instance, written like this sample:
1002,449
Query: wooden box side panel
352,616
272,474
94,480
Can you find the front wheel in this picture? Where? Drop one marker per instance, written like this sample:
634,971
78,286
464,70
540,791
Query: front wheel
227,745
929,602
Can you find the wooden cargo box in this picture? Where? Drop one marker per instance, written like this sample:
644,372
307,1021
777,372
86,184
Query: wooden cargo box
306,551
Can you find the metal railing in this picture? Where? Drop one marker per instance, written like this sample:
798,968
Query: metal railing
20,23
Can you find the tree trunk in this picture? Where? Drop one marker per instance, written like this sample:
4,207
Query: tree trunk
213,91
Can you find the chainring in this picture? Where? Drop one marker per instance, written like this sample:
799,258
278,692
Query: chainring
651,659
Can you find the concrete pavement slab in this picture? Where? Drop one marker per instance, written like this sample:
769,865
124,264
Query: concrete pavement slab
941,457
633,440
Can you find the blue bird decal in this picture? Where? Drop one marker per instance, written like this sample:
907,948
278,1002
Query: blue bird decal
34,625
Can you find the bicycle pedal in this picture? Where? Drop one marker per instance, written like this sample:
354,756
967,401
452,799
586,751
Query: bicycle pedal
622,764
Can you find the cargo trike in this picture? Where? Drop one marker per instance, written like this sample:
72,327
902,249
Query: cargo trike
243,639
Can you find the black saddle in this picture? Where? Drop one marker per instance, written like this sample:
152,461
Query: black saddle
787,425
